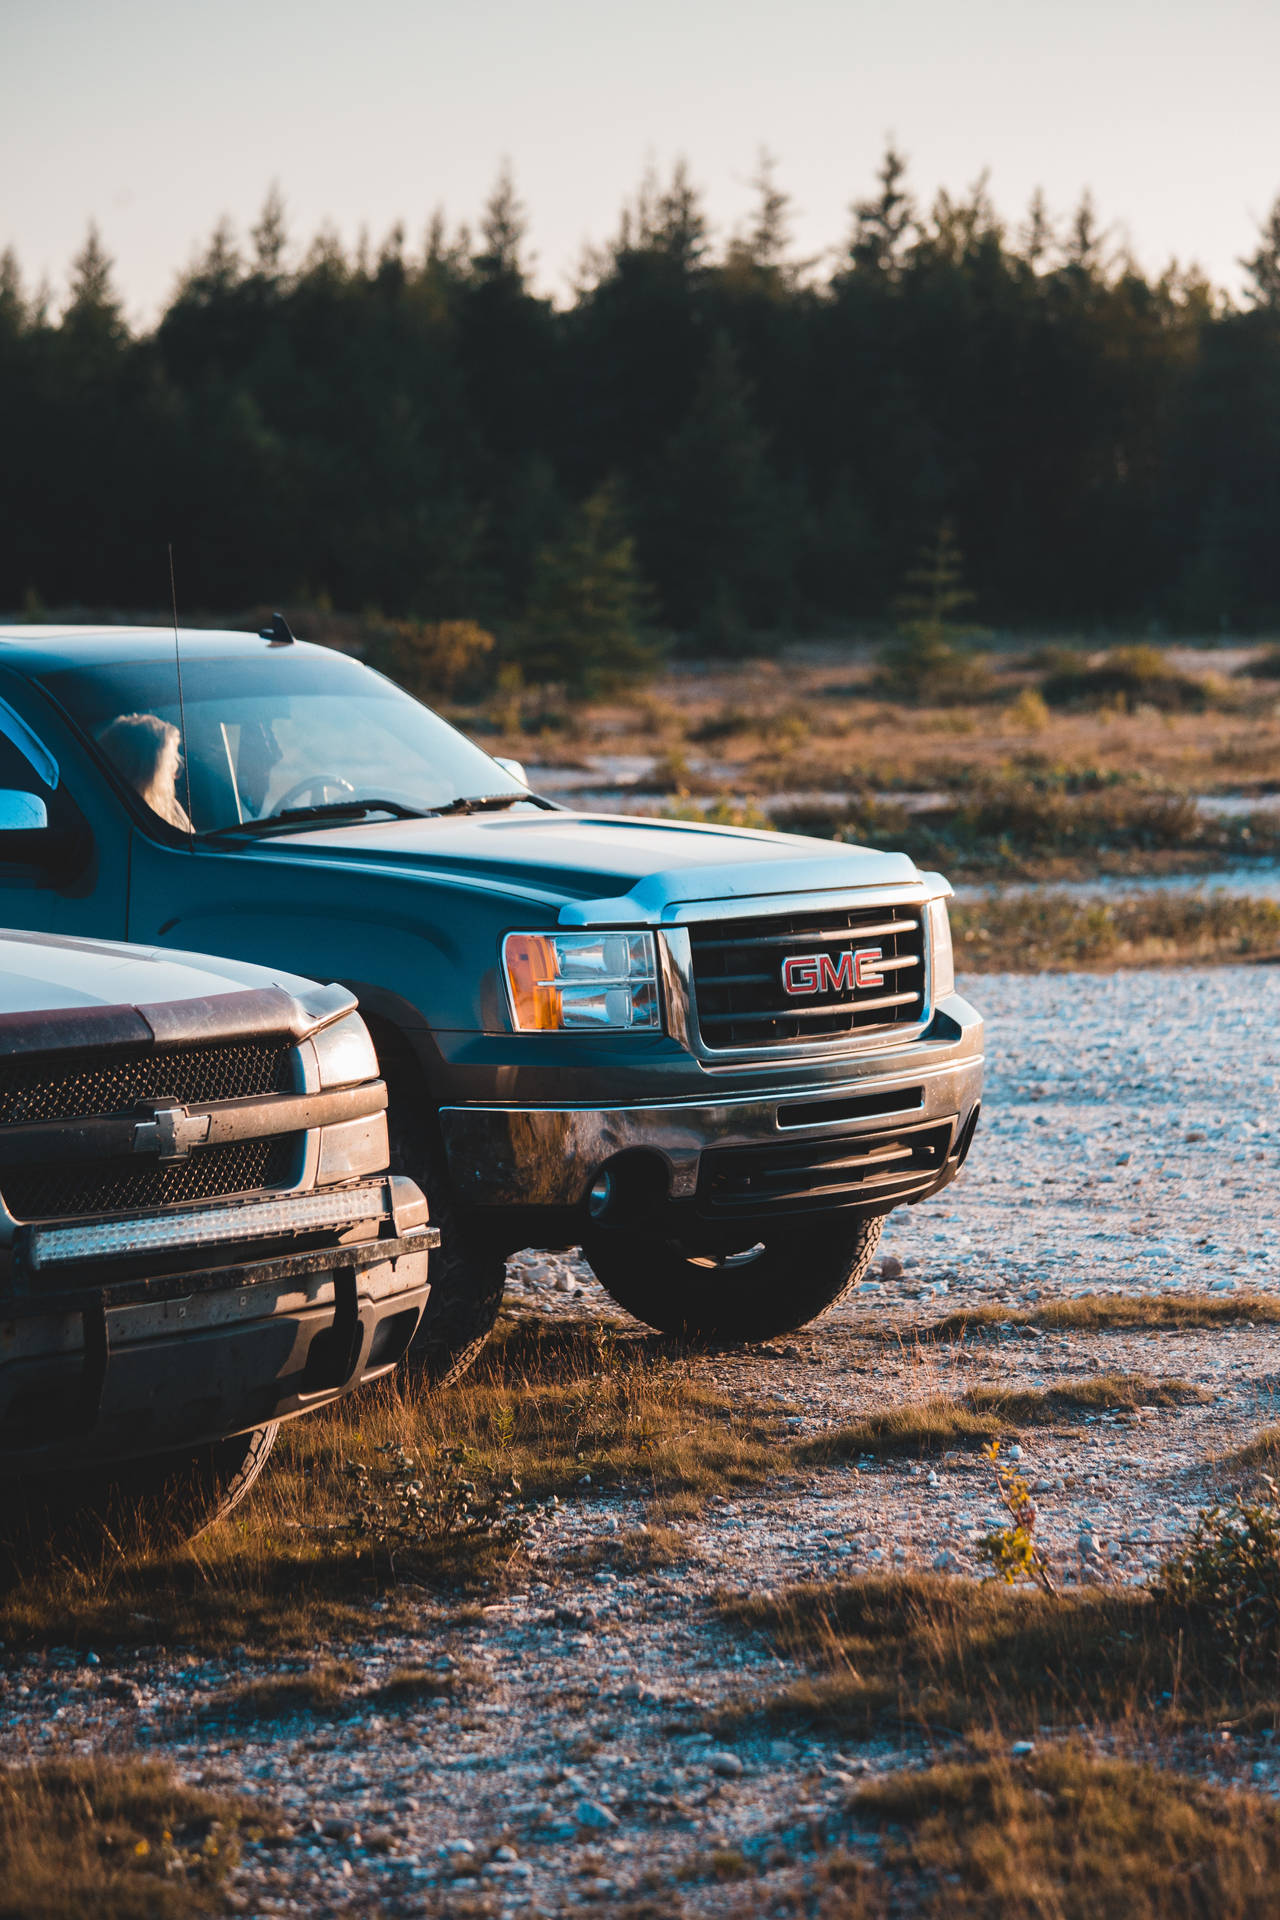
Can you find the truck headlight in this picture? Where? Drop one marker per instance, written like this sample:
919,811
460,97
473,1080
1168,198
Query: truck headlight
345,1053
586,981
944,964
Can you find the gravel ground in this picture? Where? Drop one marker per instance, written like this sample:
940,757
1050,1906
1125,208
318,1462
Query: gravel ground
1130,1142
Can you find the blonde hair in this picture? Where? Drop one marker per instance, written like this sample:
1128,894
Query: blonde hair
136,745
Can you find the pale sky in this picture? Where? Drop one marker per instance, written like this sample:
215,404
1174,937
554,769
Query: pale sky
156,117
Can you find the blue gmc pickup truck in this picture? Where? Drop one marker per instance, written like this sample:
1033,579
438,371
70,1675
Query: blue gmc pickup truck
714,1058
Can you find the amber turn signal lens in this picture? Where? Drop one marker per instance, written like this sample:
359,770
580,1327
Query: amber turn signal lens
531,974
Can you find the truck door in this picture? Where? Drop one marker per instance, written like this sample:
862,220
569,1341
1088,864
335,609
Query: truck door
71,877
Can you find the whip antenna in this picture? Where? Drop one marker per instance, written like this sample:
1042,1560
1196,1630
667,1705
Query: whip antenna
182,711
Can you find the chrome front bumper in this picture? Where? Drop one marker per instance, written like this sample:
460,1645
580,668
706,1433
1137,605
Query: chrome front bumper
550,1156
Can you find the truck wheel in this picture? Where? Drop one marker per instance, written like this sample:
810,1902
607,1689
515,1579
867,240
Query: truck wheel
467,1276
779,1283
467,1283
154,1503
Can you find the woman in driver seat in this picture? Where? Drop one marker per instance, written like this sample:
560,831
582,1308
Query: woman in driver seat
146,751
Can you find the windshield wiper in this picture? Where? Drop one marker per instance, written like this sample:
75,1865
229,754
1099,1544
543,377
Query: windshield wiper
330,810
481,803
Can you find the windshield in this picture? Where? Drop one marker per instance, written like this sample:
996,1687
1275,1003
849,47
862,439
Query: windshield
293,730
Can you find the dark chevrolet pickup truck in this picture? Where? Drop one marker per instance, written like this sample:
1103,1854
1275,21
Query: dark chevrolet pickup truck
715,1058
198,1234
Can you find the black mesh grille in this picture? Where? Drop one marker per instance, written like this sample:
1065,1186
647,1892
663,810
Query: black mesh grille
113,1083
739,983
817,1174
123,1186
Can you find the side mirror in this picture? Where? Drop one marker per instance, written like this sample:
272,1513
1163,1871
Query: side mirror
22,812
26,838
514,767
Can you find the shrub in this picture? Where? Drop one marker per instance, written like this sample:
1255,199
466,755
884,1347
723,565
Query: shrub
1011,1551
432,659
1126,678
1229,1571
1029,713
924,663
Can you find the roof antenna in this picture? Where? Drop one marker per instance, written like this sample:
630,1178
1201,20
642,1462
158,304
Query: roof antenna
182,711
278,632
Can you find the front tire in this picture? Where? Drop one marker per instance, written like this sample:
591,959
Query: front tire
468,1277
785,1279
155,1503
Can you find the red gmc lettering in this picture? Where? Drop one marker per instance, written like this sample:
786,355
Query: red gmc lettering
836,979
865,970
800,975
819,973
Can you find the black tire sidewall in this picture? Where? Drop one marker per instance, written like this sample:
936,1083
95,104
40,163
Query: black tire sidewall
157,1502
805,1267
467,1276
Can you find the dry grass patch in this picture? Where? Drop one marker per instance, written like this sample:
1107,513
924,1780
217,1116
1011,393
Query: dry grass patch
325,1692
332,1689
940,1421
116,1840
398,1490
1103,1312
915,1426
1063,1835
958,1655
643,1549
411,1686
1259,1456
1102,1393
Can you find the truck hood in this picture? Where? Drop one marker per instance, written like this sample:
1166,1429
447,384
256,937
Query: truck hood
47,973
601,869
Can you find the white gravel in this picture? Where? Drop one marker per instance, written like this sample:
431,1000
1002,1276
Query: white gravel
1131,1142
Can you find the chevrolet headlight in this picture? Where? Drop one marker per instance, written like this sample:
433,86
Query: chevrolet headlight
345,1053
944,964
583,981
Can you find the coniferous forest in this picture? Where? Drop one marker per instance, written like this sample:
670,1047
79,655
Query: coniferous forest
729,445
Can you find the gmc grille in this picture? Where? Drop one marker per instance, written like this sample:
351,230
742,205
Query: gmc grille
126,1186
33,1090
738,976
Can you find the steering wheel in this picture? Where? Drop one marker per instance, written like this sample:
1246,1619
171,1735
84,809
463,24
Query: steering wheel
315,785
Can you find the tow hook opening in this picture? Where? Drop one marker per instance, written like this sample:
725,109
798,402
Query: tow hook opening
627,1187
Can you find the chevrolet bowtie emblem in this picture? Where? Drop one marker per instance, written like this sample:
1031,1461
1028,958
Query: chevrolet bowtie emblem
171,1132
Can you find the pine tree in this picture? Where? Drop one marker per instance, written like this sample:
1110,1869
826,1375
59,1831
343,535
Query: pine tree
713,526
503,231
1263,266
218,268
269,236
94,320
1086,239
881,226
13,304
679,224
584,625
1038,238
770,232
928,657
